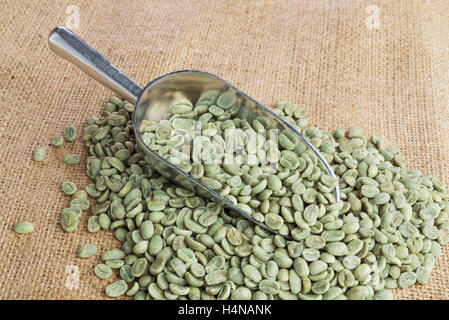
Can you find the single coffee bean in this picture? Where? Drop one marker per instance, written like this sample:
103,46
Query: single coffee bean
57,141
39,155
24,227
70,133
87,251
68,187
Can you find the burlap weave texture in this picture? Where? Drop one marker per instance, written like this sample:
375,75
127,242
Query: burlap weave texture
388,76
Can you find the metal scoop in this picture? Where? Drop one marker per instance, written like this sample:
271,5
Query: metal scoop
153,102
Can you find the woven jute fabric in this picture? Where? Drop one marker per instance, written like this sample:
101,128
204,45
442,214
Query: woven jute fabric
382,66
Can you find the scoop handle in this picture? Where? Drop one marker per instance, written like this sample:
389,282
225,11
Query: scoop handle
69,46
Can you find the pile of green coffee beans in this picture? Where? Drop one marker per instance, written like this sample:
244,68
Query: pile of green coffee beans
384,233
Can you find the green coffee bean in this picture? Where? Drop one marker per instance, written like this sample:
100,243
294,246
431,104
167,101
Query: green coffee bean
274,221
93,225
320,287
317,267
125,273
112,254
87,251
241,293
116,288
362,272
269,286
39,155
72,159
357,293
226,100
57,141
422,275
141,247
407,279
146,229
337,248
69,221
24,227
351,262
104,221
68,187
115,263
70,133
103,271
139,267
75,209
383,294
310,254
179,290
315,242
252,273
443,236
215,277
133,290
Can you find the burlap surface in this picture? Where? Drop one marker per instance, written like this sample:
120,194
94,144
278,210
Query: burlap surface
323,55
